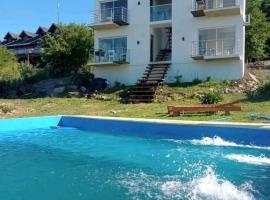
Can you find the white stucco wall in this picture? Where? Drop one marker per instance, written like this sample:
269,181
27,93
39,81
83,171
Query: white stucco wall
183,25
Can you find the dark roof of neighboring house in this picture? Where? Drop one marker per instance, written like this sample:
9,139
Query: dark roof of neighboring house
27,38
41,30
27,33
52,28
13,36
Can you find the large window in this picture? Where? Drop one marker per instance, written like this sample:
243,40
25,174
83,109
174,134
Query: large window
113,10
112,50
218,41
113,43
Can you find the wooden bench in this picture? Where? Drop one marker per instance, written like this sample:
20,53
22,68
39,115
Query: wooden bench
208,109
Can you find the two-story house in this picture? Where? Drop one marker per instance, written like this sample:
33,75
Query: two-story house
196,38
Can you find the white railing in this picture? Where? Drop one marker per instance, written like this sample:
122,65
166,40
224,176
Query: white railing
213,4
161,12
117,14
108,56
222,47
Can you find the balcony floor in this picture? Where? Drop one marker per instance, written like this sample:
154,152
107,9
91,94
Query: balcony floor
104,64
104,25
235,10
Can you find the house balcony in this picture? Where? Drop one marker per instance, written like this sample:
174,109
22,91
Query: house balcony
211,50
113,57
161,13
215,8
22,52
109,18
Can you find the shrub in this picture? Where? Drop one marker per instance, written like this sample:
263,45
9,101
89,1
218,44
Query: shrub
209,79
9,70
6,109
31,74
213,97
264,90
178,80
196,81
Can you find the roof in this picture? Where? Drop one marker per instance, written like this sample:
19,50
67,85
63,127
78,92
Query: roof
27,33
10,35
41,30
52,28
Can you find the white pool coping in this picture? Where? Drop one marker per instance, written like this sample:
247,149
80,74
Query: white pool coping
181,122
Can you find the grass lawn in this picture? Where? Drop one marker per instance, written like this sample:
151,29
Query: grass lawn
169,95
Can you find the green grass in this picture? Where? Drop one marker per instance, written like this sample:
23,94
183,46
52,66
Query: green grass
169,95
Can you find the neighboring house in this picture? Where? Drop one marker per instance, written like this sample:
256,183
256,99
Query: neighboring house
27,45
192,38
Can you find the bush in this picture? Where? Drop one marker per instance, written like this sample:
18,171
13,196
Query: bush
196,81
9,70
31,74
264,90
209,79
178,80
211,98
6,109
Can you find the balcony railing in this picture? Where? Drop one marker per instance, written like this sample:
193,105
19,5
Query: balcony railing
215,48
114,15
120,55
213,4
161,12
26,51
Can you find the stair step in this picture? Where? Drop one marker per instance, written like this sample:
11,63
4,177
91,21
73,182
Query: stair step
155,73
141,96
141,100
152,79
143,92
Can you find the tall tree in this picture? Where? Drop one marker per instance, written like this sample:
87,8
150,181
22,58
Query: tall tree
257,33
68,50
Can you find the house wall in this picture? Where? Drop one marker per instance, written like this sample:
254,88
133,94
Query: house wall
185,29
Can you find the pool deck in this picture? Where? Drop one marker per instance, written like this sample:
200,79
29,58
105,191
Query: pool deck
182,122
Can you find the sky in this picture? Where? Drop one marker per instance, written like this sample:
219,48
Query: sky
18,15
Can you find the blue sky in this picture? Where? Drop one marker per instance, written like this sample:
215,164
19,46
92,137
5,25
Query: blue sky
17,15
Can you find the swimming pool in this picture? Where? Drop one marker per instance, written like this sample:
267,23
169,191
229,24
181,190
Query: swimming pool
65,157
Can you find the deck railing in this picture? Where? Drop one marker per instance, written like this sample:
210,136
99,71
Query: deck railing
221,47
161,12
119,55
213,4
117,14
27,51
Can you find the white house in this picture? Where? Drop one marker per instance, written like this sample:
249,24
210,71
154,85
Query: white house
194,38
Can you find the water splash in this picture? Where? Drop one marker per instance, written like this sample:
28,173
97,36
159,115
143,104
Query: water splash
255,160
209,186
218,141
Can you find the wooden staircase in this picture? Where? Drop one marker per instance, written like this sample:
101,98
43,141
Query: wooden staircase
146,88
154,75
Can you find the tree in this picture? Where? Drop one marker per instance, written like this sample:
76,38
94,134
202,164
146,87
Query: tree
266,8
9,70
67,50
257,33
9,67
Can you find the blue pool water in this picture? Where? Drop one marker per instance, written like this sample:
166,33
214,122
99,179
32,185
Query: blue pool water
64,163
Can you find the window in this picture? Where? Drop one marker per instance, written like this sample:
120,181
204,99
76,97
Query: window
218,41
112,50
113,10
